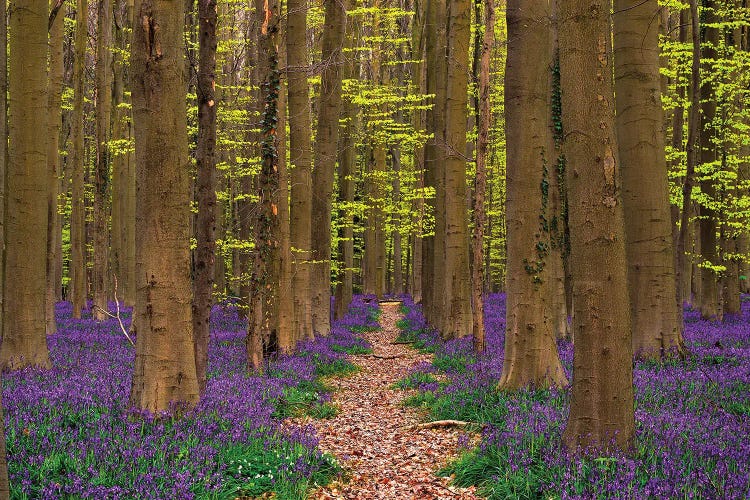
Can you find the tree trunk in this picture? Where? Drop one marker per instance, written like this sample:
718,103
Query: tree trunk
300,156
101,175
164,373
656,317
692,148
346,171
480,183
3,156
78,162
601,408
24,339
531,358
54,168
456,316
205,159
326,145
708,154
398,270
434,155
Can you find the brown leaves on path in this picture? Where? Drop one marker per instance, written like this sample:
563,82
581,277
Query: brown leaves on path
373,437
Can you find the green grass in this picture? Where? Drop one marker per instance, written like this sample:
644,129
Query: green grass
352,350
414,380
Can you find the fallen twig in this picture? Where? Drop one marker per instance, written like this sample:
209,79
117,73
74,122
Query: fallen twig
400,342
117,316
443,423
377,356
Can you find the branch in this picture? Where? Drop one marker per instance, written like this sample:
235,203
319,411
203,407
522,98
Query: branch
53,13
443,423
117,305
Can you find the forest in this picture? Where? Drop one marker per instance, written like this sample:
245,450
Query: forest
397,249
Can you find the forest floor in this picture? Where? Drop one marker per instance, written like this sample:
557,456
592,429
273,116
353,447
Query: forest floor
374,436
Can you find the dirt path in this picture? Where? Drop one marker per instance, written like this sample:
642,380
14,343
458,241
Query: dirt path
381,457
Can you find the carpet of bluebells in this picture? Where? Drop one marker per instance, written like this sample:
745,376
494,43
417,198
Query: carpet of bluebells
70,432
692,417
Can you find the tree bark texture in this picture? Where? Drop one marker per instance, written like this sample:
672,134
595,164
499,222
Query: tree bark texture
101,170
300,154
601,409
531,358
656,317
480,182
205,159
24,328
708,156
164,373
326,147
54,167
78,162
456,316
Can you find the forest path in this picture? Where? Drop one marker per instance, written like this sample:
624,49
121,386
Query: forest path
382,457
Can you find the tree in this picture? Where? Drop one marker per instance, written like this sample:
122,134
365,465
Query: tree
531,358
456,317
300,156
25,280
101,169
205,159
708,165
271,306
326,146
480,182
601,408
164,371
54,167
657,319
78,216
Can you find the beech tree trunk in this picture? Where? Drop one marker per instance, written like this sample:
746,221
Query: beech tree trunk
657,319
78,160
101,171
456,315
692,148
434,156
346,171
3,155
26,205
326,146
164,373
418,122
708,155
601,408
301,161
531,358
54,167
480,183
398,270
205,159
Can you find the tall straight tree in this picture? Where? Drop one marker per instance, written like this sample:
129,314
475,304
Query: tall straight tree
54,167
78,161
434,156
205,159
24,328
3,147
346,169
531,358
455,318
270,314
709,302
480,183
601,408
164,372
101,170
657,319
300,157
326,146
4,486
